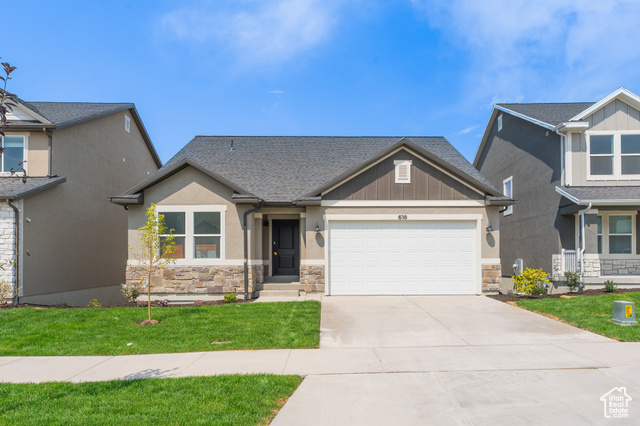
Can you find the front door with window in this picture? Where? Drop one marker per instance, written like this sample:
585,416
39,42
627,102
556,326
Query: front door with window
286,247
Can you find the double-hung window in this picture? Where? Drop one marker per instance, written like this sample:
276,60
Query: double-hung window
13,155
614,155
198,231
615,233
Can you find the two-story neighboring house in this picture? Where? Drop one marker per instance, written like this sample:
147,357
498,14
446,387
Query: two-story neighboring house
62,240
574,169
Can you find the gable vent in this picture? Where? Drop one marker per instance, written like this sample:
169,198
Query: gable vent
403,171
127,123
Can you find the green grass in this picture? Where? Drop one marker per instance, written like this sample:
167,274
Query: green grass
591,313
237,400
107,331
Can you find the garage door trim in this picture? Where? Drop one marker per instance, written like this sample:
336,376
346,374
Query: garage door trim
406,216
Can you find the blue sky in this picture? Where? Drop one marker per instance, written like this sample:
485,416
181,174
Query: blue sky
320,67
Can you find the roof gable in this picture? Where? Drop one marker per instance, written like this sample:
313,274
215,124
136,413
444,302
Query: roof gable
623,94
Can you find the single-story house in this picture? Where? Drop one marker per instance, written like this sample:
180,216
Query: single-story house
337,215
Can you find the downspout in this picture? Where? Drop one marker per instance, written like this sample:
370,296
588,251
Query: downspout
246,250
17,264
49,133
582,237
563,152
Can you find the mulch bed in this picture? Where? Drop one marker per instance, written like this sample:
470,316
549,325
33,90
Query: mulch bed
154,304
597,292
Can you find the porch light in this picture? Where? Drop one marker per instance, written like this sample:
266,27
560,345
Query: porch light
489,228
317,229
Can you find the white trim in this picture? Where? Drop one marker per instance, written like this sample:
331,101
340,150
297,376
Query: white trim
605,233
303,215
524,117
401,203
622,93
25,153
312,262
419,156
399,165
573,125
394,217
26,111
490,261
509,209
258,215
567,195
568,163
189,236
616,154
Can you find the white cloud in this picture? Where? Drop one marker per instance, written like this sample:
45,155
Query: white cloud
268,31
542,50
467,130
276,92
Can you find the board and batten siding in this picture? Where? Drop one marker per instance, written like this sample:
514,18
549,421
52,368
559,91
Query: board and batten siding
378,183
616,115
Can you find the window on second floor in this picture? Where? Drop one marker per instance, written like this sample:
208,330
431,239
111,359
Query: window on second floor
613,155
507,190
13,154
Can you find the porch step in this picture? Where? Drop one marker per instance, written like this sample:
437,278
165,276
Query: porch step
280,286
281,279
278,293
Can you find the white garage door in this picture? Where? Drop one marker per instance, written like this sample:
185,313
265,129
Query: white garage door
402,257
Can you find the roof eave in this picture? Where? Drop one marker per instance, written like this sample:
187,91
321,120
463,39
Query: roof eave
25,194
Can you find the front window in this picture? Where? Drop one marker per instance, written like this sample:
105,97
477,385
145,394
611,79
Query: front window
615,233
13,154
198,230
614,155
507,190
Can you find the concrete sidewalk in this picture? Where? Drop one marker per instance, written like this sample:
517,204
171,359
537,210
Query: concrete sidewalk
324,362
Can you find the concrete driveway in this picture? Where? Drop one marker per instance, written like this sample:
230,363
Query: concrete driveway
458,360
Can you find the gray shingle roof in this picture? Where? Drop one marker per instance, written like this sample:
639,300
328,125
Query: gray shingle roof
64,114
13,188
283,169
604,193
550,113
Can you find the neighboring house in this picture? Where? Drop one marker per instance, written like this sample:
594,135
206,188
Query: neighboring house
338,215
574,169
72,243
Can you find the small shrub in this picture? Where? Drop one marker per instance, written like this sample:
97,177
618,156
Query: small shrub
131,291
231,297
6,292
531,282
197,303
64,304
94,303
610,286
141,304
574,280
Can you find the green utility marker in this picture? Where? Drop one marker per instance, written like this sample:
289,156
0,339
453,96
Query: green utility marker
624,313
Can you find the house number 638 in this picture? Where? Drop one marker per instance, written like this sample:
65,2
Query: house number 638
402,217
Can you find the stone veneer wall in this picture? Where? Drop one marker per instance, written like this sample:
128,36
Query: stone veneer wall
619,267
596,267
312,277
8,243
491,277
199,279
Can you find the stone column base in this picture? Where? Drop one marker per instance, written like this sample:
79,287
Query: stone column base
312,277
491,278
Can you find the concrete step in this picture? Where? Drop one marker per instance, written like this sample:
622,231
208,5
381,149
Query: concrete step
282,279
281,286
277,293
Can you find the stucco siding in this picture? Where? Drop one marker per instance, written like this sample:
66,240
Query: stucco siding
427,183
76,238
531,155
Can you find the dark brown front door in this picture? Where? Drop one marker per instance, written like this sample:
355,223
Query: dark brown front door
286,247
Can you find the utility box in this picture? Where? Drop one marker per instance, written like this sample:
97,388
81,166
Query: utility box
624,313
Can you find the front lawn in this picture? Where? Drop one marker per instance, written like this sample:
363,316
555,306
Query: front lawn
108,331
237,399
591,313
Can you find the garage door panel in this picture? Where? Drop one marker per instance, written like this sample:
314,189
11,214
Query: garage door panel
428,257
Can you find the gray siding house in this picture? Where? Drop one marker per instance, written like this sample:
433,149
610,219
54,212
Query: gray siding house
62,240
337,215
574,171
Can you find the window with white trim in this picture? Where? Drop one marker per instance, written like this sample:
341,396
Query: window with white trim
13,153
403,171
198,231
613,155
616,233
507,190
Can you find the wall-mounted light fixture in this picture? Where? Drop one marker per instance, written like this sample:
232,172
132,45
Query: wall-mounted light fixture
489,228
265,223
317,228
